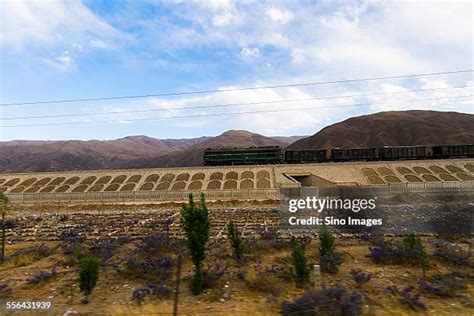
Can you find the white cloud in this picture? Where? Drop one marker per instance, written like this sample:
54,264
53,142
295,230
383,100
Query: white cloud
45,23
62,62
279,15
249,53
97,43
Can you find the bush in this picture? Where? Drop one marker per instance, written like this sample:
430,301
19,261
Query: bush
212,275
406,297
151,289
153,269
27,255
452,254
360,277
331,301
300,263
410,252
329,259
442,285
88,274
42,276
235,240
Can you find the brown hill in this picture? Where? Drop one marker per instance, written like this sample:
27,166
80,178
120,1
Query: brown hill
128,152
402,128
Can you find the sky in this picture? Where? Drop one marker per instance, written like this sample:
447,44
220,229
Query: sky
71,49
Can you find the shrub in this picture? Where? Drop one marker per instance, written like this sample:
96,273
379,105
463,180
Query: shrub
153,269
212,275
410,252
331,301
235,240
195,223
442,285
5,290
300,263
406,297
452,253
88,274
151,289
329,259
360,277
42,276
27,255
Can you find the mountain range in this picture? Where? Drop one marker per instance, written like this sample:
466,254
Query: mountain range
395,128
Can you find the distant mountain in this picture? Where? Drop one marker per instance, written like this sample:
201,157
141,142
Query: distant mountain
128,152
395,128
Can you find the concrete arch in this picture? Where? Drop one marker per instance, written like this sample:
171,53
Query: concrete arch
392,179
195,185
369,172
421,170
62,188
135,178
447,177
454,169
468,166
2,180
89,180
72,180
430,178
80,188
112,187
162,186
152,178
183,177
375,180
43,181
464,176
33,189
167,177
404,170
412,178
384,171
247,175
263,174
179,186
57,181
11,182
28,182
147,186
246,184
438,169
217,176
104,180
128,187
119,179
263,184
230,185
214,185
47,189
198,176
18,189
231,175
96,187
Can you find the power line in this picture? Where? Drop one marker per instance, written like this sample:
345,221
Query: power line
226,114
239,89
227,105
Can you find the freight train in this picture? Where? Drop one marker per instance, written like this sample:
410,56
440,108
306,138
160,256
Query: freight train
278,155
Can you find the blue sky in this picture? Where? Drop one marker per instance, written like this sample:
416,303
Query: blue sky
71,49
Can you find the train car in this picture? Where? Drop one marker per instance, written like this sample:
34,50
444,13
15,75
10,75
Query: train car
243,156
340,154
453,151
305,156
404,152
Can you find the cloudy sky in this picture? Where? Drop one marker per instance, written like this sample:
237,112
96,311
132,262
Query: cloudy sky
56,50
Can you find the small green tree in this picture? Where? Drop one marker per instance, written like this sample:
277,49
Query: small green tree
300,263
329,260
195,223
235,240
414,252
88,275
4,202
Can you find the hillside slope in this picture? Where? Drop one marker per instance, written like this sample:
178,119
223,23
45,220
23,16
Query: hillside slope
395,128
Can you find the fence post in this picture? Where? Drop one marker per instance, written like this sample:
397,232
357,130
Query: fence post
317,277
